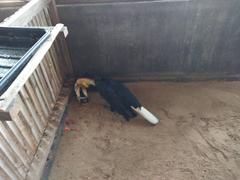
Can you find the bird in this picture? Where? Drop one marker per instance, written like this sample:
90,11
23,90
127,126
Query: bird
117,95
117,99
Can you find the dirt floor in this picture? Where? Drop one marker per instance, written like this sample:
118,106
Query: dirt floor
198,137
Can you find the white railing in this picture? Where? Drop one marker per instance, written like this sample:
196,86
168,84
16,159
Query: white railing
31,107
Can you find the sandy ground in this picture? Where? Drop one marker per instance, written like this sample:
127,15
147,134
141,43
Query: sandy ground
198,137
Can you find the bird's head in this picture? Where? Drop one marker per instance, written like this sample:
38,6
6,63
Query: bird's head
81,86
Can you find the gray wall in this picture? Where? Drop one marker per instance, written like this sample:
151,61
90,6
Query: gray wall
159,39
152,38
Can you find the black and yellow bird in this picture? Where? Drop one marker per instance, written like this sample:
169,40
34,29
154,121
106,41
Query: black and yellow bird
118,96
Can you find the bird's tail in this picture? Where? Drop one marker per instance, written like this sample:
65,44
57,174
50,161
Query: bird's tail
146,115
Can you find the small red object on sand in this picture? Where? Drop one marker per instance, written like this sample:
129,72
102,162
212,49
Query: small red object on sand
67,129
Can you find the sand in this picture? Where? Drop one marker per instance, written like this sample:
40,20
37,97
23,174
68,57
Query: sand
198,136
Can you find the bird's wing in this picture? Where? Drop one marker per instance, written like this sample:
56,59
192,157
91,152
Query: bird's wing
108,93
125,94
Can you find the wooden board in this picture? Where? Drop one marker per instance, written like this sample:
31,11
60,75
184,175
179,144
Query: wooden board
46,142
35,101
24,15
12,3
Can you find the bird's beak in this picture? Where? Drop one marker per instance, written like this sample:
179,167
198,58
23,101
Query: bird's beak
92,82
77,91
81,85
84,90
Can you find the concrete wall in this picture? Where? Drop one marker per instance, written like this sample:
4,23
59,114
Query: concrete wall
154,37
